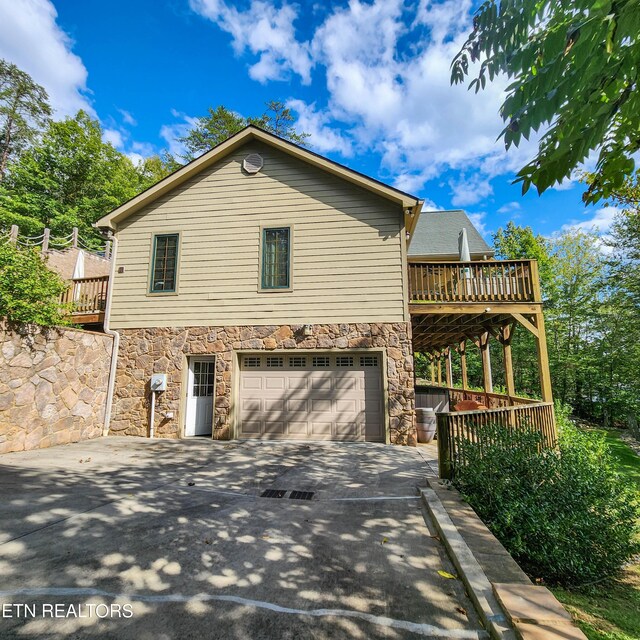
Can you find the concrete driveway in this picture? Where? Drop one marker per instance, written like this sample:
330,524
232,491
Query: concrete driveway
173,540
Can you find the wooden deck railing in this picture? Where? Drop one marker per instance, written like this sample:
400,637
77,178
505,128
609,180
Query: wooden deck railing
481,281
87,295
489,400
459,426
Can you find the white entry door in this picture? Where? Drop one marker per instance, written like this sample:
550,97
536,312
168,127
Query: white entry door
201,386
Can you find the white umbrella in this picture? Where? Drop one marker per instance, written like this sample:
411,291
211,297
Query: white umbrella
465,256
78,272
463,246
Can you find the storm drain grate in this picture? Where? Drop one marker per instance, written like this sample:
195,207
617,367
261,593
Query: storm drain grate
273,493
301,495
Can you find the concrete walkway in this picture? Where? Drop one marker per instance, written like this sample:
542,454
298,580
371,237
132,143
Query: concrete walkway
176,533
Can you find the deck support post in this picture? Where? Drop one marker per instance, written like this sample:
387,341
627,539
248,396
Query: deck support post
505,336
543,359
439,369
433,370
487,382
448,369
463,363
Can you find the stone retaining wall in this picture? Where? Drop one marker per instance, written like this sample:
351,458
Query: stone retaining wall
53,386
163,350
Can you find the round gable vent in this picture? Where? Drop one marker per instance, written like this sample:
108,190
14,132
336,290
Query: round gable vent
253,163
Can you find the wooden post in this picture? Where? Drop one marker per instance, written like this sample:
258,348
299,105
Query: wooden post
74,237
487,382
543,359
13,235
540,336
45,240
444,449
439,369
448,369
506,333
433,370
463,364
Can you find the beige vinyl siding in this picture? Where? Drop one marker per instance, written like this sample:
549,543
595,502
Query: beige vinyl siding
346,251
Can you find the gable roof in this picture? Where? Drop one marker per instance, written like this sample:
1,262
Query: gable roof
436,235
411,204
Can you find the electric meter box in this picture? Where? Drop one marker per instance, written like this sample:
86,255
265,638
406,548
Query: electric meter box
159,382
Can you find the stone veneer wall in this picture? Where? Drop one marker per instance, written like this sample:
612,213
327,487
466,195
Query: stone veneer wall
53,386
163,350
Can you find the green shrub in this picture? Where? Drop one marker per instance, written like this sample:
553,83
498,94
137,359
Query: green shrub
566,516
29,292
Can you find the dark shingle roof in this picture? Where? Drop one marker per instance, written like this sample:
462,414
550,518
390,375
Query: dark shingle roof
437,235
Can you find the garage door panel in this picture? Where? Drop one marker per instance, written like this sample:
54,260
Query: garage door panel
297,405
274,427
321,405
321,428
271,405
280,398
274,382
347,429
252,427
297,428
251,404
321,384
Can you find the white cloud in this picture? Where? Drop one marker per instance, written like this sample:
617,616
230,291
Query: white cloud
509,207
323,138
136,158
478,221
114,137
264,30
600,221
31,39
127,118
468,191
387,70
171,132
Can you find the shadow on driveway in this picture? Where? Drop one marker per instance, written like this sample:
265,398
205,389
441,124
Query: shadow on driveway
178,532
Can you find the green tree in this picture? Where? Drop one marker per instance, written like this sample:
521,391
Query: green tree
29,291
155,168
221,123
574,71
70,178
620,328
24,110
574,319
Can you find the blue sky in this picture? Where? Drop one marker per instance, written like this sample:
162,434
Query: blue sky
368,79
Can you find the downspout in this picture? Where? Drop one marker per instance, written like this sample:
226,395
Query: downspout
116,340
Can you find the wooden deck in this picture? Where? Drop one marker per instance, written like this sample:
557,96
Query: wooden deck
87,298
495,281
458,305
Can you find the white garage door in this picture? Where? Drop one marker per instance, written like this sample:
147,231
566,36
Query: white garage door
311,396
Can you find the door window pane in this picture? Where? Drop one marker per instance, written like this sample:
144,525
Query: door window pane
203,378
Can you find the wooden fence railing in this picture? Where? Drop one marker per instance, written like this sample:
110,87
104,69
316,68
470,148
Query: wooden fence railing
87,295
489,400
480,281
458,427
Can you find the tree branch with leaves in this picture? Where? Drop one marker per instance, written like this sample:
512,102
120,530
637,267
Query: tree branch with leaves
574,67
